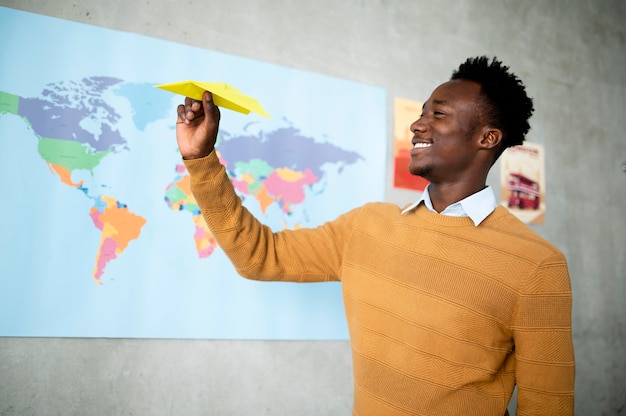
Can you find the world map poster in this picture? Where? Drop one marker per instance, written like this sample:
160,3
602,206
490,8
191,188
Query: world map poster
101,236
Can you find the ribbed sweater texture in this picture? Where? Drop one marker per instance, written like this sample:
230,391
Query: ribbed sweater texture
445,318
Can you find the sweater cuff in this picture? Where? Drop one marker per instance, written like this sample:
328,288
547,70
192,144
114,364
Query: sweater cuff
205,168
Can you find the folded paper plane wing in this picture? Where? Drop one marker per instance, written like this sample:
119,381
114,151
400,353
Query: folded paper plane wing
224,95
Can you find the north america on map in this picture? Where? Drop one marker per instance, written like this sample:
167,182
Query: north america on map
75,123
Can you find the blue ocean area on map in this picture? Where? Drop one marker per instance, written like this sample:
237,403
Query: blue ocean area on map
101,234
156,105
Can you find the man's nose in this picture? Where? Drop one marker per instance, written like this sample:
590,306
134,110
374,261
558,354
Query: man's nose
418,126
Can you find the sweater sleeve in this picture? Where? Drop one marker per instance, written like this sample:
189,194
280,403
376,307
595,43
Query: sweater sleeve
544,350
304,255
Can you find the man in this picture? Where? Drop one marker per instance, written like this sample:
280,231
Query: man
451,302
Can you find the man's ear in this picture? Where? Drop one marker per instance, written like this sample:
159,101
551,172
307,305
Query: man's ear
491,138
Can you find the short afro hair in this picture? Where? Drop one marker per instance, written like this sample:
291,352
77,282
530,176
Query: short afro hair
506,105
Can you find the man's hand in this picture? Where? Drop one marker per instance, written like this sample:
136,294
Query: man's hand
196,127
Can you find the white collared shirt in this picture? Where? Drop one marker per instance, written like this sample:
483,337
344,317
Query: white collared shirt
477,206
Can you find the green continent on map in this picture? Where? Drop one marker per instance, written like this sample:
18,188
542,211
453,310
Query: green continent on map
8,103
70,154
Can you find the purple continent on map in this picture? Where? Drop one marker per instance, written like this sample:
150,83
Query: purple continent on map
273,168
278,166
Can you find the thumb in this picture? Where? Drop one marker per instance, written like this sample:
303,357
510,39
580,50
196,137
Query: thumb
211,111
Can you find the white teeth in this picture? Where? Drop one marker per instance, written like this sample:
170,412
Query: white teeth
420,145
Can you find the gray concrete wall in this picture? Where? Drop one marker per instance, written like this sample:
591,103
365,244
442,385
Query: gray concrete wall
571,55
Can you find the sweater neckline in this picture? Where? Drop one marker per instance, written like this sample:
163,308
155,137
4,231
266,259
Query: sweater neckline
449,221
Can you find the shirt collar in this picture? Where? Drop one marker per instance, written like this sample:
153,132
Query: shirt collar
477,206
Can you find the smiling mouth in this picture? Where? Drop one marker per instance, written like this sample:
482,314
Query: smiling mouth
421,145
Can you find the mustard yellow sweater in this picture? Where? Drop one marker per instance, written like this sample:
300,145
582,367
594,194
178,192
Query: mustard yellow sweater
445,318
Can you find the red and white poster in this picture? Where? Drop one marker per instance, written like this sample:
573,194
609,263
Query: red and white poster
523,182
405,113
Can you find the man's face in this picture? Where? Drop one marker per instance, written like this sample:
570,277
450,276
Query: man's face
446,134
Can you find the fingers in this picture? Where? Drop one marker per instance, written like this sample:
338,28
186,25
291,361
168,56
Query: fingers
191,110
195,110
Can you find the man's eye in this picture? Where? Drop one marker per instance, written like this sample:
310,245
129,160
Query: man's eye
439,113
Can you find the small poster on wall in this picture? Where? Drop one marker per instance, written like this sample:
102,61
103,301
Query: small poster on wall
522,182
406,112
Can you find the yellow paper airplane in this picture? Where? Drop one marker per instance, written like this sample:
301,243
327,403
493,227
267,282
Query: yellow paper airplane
224,95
